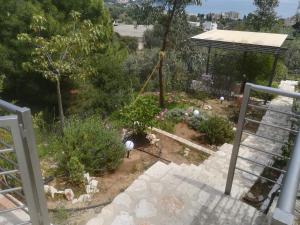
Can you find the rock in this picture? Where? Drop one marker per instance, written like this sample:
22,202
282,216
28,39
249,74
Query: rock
46,188
152,138
88,189
50,190
94,186
84,198
87,177
186,152
260,198
69,194
250,195
207,107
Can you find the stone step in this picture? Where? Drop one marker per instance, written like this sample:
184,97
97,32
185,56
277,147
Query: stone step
176,194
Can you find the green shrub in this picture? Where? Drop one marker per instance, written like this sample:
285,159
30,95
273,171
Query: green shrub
75,169
296,106
263,95
201,95
166,125
195,121
89,143
176,114
217,129
140,114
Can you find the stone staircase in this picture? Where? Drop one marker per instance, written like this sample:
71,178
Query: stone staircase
193,195
181,195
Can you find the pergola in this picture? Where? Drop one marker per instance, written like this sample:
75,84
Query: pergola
269,43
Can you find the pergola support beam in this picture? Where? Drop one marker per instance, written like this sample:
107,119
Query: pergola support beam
208,60
273,70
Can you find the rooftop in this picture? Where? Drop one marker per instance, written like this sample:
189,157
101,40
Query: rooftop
242,40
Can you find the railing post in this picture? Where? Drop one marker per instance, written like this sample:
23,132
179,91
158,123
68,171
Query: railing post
33,165
284,213
237,139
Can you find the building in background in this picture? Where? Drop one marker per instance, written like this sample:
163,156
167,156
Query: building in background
231,15
195,24
209,25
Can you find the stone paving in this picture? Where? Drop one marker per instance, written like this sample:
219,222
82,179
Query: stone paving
280,103
13,217
193,195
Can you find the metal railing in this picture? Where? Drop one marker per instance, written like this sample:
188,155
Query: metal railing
284,212
20,175
286,204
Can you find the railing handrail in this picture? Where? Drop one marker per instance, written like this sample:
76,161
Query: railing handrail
271,90
284,212
11,108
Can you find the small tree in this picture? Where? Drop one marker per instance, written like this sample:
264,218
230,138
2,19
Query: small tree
165,11
265,15
140,114
65,55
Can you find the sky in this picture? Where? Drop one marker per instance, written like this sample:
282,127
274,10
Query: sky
286,8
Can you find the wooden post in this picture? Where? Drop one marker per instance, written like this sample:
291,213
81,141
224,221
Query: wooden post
244,81
273,70
208,59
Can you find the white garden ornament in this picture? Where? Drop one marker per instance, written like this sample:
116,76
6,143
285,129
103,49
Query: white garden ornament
129,145
196,113
222,99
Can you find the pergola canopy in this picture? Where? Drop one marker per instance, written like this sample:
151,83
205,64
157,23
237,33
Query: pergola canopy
243,41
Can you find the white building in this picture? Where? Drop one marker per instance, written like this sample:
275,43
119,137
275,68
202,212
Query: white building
208,25
231,15
194,24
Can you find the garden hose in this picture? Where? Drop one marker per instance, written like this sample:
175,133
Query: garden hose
82,208
157,156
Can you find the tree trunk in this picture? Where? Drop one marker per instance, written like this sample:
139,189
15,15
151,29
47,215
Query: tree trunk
60,106
161,56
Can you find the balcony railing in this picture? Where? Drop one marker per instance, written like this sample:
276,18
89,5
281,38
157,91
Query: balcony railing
284,212
20,174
